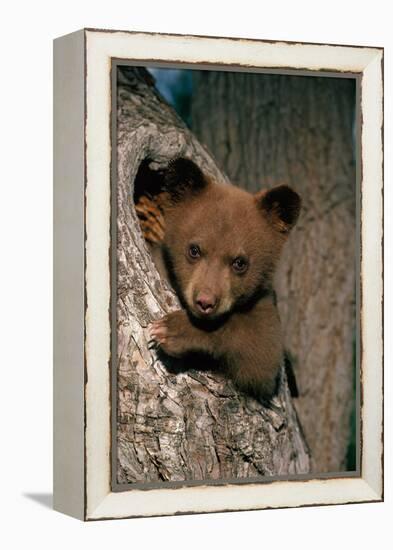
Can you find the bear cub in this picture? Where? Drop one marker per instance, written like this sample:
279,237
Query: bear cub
220,249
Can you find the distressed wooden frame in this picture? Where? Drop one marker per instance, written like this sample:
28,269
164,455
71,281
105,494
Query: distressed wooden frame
82,240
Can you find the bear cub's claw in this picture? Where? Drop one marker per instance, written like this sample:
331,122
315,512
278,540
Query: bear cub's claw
169,334
157,332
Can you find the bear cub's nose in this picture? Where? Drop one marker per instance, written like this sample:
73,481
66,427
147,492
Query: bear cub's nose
206,302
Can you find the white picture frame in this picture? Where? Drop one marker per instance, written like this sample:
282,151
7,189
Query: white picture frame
82,175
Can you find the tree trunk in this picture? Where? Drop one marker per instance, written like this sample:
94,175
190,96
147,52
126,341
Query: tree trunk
194,425
271,129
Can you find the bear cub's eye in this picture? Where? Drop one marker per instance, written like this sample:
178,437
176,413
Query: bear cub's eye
194,251
240,265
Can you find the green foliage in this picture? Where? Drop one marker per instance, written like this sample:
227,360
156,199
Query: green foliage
176,87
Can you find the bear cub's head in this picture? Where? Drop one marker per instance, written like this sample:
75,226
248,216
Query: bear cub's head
222,243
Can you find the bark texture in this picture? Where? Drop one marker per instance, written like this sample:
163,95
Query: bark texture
267,130
194,425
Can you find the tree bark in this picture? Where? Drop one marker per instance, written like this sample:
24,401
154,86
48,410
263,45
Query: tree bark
266,130
194,425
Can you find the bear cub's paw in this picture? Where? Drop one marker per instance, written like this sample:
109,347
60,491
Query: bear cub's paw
169,333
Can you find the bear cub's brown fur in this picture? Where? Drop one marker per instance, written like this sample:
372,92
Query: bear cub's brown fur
220,248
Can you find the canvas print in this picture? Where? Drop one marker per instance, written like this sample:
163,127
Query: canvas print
234,276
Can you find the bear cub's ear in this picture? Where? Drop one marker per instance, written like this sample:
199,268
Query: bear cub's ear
183,178
281,205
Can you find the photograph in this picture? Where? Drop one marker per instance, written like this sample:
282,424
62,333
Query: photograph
235,336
